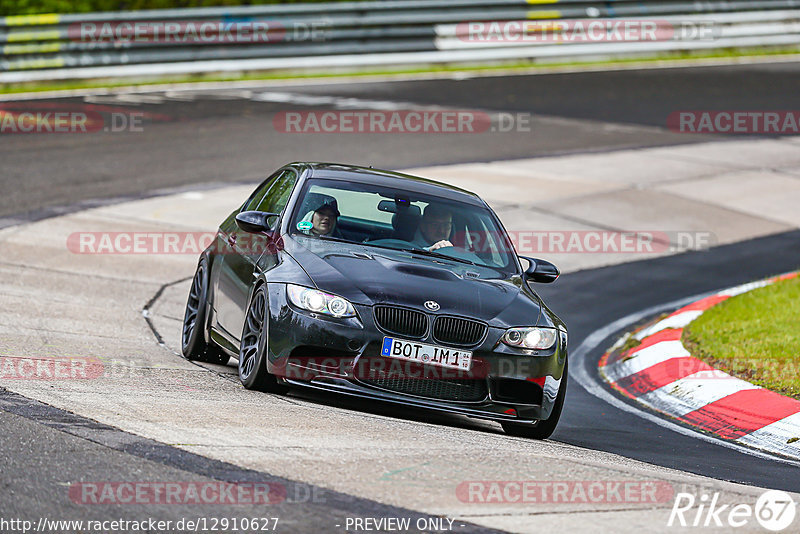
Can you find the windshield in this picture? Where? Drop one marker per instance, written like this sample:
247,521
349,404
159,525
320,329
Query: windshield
395,219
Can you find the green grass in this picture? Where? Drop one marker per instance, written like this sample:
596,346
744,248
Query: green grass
630,343
754,336
521,66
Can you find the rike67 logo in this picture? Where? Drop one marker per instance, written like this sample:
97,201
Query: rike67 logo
774,510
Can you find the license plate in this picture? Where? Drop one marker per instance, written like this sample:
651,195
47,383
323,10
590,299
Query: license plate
427,354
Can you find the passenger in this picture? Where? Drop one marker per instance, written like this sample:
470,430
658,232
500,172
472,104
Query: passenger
434,228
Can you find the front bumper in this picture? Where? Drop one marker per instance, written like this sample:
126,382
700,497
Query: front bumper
343,355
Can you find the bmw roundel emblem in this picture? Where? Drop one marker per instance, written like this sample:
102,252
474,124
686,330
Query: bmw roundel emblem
432,305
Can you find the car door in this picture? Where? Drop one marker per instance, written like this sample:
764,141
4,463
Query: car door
238,268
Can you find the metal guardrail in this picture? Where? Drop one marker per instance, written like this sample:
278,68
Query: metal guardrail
392,32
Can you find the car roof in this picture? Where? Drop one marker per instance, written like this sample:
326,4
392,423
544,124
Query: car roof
407,182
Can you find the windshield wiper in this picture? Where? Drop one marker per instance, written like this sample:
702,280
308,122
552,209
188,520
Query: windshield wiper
338,239
433,254
350,241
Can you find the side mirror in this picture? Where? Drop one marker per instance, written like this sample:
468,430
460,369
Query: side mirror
541,271
255,222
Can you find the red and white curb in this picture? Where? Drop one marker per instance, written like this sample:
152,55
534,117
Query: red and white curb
661,374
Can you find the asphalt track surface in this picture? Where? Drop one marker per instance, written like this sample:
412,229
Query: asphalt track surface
219,138
214,139
44,446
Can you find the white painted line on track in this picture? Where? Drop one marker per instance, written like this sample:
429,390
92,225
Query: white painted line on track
738,290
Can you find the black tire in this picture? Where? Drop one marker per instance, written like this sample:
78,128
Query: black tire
252,361
545,428
193,336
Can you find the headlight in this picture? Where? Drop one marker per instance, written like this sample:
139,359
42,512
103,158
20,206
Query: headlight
318,301
530,338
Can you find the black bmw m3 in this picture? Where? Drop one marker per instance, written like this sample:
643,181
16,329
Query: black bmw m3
384,286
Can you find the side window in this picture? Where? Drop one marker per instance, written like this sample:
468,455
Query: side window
277,196
258,195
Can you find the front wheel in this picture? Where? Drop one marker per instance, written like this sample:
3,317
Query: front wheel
193,335
252,361
545,428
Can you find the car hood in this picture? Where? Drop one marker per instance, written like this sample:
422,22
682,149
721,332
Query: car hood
369,275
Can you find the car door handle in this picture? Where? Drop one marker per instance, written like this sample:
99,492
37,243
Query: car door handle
231,239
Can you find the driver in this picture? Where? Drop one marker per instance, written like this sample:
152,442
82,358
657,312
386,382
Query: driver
434,228
323,219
